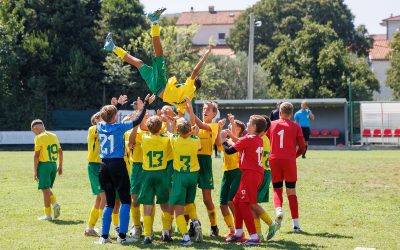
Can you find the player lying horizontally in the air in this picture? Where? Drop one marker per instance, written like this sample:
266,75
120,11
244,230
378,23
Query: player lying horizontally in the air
155,76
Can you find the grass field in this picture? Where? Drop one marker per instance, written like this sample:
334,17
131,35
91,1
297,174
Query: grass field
347,199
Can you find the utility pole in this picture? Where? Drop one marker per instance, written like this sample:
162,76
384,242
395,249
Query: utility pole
250,66
351,112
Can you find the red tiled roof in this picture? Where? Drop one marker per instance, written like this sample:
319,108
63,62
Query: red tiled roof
378,37
219,50
392,18
380,49
207,18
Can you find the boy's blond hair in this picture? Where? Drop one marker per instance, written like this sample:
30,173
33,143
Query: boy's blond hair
108,112
154,124
36,122
213,104
94,117
183,126
286,109
260,123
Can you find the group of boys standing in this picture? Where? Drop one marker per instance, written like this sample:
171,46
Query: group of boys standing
161,159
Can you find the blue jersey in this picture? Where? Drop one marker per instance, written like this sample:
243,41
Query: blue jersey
302,117
111,137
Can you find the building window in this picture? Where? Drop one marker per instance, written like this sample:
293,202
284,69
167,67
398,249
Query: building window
221,36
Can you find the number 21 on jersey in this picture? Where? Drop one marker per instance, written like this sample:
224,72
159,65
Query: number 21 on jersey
103,141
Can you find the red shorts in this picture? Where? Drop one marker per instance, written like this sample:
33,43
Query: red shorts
249,185
283,170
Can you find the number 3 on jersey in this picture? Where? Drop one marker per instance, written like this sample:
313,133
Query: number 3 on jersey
103,143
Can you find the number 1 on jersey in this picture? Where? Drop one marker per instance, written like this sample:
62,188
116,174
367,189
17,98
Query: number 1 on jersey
281,133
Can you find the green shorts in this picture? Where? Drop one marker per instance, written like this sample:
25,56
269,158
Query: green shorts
229,186
136,175
153,184
46,172
263,191
93,172
155,76
206,180
183,188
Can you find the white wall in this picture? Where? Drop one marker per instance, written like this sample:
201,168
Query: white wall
379,68
26,137
393,26
206,31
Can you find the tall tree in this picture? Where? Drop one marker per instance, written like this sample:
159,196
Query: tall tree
393,73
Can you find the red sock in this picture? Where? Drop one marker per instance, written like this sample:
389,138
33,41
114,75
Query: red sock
294,206
278,197
237,216
248,217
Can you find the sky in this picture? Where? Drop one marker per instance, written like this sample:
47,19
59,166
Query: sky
367,12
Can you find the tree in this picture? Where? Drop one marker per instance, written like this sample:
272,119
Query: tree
316,64
393,73
282,19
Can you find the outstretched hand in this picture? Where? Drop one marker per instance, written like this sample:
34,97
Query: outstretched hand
150,99
123,99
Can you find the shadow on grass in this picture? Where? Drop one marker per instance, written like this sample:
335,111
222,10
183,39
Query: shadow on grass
324,235
67,222
287,244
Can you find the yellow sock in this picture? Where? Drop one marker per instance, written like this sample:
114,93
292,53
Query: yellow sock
212,216
47,210
171,218
147,224
155,30
101,213
258,225
229,221
166,220
115,219
93,217
190,209
53,199
181,223
153,213
120,52
135,214
265,217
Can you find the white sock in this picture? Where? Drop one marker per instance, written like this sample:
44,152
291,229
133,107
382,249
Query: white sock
296,223
254,236
186,237
278,210
238,232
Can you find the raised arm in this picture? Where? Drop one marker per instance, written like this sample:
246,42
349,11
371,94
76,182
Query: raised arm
189,109
200,64
142,107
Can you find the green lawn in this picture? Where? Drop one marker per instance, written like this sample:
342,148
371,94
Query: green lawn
346,199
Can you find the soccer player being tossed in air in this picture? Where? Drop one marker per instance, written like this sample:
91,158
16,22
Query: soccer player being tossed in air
113,173
250,148
47,152
284,135
155,76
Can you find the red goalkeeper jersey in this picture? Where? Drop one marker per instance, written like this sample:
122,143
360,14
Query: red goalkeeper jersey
284,135
250,148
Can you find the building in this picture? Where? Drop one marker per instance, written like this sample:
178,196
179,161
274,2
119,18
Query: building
213,24
379,56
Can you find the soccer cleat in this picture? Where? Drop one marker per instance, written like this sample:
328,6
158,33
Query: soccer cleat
103,240
56,210
214,231
251,242
109,44
155,15
198,235
45,217
191,229
298,230
127,240
166,238
186,242
147,240
228,235
91,232
116,230
235,238
136,232
272,230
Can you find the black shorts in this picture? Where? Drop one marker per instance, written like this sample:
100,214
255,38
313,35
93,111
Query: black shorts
306,133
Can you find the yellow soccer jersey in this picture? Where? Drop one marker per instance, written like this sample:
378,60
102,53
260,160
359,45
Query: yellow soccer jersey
128,152
156,151
175,93
93,145
231,162
47,144
137,154
185,153
207,139
267,149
